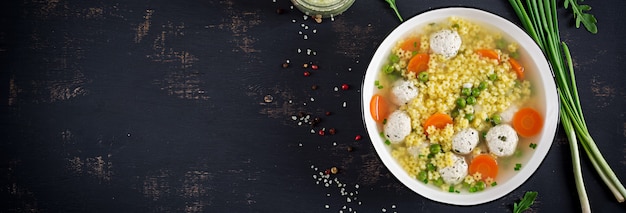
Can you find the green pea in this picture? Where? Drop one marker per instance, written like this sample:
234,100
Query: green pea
496,119
438,182
423,76
435,148
469,117
492,77
473,189
460,102
455,113
394,58
480,185
471,100
475,92
422,176
482,86
431,167
466,91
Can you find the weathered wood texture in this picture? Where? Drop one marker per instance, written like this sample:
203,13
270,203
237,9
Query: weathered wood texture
158,106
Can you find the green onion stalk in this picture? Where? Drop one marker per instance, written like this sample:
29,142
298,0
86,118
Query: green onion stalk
539,18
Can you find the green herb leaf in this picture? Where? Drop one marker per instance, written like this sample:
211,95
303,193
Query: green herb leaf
392,4
588,20
525,203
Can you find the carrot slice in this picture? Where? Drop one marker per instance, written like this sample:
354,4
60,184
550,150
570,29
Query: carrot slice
492,54
527,122
378,108
484,164
411,44
439,120
519,70
418,63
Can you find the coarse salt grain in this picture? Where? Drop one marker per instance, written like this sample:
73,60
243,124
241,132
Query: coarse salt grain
306,37
314,30
344,104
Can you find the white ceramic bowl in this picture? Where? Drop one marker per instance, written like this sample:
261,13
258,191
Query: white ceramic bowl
536,66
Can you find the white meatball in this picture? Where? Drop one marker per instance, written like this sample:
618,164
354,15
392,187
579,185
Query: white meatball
502,140
398,126
465,141
403,91
445,42
456,173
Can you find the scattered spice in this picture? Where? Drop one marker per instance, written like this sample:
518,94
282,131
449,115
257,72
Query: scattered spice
285,65
327,113
334,170
314,67
321,132
350,149
317,120
305,65
280,11
314,87
357,137
332,131
307,73
268,99
345,87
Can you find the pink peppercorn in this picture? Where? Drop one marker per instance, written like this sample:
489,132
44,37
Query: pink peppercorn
307,73
345,87
357,137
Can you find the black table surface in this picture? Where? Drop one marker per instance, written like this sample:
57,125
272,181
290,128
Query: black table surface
159,106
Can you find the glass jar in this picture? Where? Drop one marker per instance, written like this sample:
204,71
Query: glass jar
325,8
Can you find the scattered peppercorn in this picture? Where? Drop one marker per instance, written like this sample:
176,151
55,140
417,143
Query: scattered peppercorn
327,113
334,170
314,67
350,149
268,99
332,131
327,172
285,65
345,87
280,11
307,73
305,65
357,137
314,87
321,132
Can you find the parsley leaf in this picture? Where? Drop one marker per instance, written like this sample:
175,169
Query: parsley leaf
525,203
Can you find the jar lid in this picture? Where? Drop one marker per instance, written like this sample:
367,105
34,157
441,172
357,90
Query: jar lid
325,8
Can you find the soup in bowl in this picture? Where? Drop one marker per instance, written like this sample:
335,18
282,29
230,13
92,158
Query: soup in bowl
460,105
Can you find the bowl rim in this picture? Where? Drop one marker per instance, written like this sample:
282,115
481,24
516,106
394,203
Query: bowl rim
535,55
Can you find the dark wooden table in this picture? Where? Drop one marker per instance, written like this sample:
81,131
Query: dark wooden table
160,106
